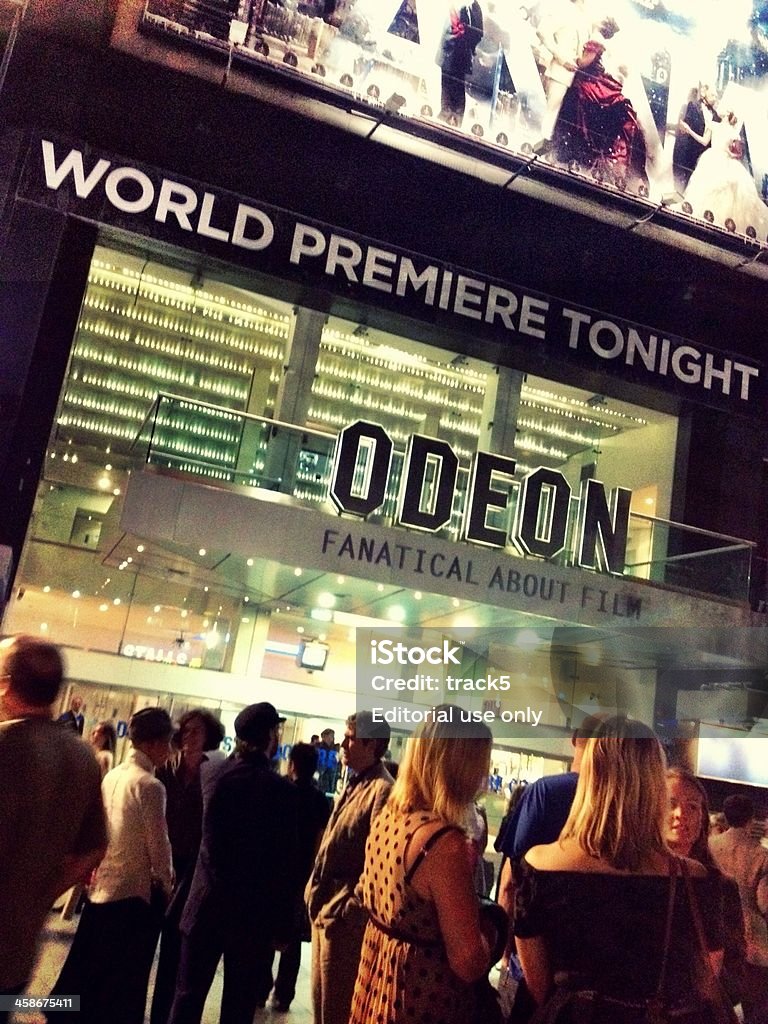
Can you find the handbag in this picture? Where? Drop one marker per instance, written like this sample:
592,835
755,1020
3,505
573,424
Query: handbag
487,1005
710,987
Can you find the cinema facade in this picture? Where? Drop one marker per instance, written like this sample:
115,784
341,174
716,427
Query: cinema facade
281,364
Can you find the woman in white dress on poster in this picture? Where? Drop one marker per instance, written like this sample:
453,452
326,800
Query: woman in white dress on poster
722,184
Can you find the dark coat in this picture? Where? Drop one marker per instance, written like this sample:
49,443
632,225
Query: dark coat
460,38
247,874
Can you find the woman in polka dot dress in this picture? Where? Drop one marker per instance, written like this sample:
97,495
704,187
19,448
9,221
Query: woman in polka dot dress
424,944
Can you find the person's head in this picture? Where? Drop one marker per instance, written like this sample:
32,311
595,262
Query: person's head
362,751
738,810
302,763
707,94
717,824
328,737
257,729
76,704
150,731
444,767
589,726
31,674
620,809
199,730
104,737
314,739
688,824
608,27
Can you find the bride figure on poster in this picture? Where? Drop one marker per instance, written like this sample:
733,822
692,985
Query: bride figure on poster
722,184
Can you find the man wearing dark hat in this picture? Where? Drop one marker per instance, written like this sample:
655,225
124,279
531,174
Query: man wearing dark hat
338,918
241,903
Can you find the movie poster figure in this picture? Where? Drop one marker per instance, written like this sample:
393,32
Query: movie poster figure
598,125
694,133
462,33
563,32
721,183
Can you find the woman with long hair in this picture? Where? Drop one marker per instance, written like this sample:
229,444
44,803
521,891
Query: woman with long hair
688,836
604,924
424,943
103,739
199,732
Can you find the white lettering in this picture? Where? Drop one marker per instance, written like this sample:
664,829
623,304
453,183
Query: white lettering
594,339
343,253
244,214
378,262
532,317
120,174
427,279
204,226
307,241
71,164
503,302
180,208
466,297
746,372
577,319
690,371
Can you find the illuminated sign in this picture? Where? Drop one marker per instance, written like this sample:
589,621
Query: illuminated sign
535,326
426,498
143,652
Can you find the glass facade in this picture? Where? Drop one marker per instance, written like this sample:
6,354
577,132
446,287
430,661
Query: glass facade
177,372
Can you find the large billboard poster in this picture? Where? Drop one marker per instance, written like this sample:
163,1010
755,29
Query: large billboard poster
667,100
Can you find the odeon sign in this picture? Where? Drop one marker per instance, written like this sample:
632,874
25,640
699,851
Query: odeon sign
361,473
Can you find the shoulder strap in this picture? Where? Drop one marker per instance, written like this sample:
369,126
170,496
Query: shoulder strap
713,990
693,903
427,847
673,872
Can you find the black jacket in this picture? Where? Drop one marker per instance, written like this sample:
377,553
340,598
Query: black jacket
247,874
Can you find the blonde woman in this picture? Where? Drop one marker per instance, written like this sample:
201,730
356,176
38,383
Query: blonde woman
424,944
593,908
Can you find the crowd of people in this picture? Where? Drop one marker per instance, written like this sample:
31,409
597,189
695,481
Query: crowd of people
614,904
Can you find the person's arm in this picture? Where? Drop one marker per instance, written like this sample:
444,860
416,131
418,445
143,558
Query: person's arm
537,970
703,140
561,43
91,844
506,900
762,894
76,870
685,127
156,834
447,874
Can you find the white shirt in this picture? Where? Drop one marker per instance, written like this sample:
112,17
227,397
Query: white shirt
139,850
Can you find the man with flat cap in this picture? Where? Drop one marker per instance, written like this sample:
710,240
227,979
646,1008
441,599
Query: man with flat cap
337,915
240,905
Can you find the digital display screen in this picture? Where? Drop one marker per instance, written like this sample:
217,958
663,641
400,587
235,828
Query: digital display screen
732,757
313,655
